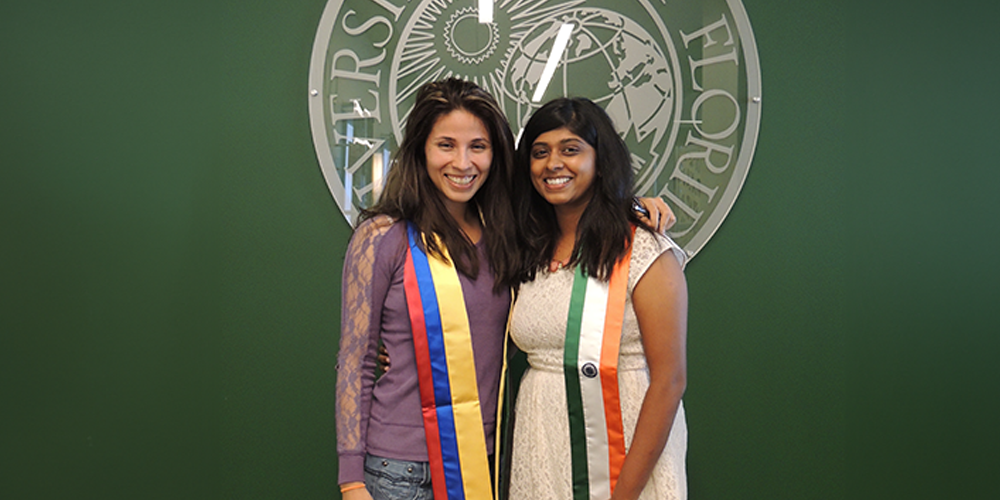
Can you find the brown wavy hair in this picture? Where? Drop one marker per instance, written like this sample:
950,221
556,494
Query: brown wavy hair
410,194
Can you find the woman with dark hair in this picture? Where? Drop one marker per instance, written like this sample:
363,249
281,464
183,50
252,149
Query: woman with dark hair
602,317
435,247
428,274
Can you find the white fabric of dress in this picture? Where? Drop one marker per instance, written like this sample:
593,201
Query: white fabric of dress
541,464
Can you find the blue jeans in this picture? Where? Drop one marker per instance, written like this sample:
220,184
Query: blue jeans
389,479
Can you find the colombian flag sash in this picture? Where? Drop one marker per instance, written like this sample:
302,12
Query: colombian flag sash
590,368
449,395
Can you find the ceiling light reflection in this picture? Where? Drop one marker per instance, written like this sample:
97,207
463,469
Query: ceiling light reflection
562,39
485,11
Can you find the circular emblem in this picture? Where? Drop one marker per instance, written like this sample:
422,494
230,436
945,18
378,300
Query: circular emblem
589,370
680,79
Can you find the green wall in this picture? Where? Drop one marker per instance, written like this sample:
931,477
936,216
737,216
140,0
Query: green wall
170,258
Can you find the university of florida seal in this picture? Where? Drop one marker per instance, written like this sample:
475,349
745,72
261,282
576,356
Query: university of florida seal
680,79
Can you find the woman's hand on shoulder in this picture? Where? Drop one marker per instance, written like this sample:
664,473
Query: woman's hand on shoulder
659,217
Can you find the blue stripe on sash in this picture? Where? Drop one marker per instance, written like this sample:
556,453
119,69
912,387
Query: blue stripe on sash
442,388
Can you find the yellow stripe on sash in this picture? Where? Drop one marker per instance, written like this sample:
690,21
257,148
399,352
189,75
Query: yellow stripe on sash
462,378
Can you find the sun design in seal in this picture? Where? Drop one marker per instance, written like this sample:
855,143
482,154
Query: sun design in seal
470,49
441,39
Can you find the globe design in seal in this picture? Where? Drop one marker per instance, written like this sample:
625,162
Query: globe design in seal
618,65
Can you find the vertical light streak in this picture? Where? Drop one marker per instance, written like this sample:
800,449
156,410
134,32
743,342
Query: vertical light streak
485,11
562,39
348,178
378,168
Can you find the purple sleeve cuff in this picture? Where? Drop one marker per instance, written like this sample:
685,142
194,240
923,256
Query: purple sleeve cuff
351,469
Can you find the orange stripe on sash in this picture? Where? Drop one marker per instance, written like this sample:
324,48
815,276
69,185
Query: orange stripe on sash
618,289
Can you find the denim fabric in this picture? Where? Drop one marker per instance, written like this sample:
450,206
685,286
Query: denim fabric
389,479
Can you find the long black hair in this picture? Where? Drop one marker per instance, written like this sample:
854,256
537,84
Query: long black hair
410,194
604,232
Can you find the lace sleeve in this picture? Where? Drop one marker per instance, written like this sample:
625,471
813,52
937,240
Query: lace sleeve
364,287
647,247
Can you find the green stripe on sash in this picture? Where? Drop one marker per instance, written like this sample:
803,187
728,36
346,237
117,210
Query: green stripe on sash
577,425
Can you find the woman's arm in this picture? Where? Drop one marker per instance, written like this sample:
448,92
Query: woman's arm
365,284
354,491
660,302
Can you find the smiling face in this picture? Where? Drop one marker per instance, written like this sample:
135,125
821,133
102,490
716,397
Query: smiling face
458,154
563,168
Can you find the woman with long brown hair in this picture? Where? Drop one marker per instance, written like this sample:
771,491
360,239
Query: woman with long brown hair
435,248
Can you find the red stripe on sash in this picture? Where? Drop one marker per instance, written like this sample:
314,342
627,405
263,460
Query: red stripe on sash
427,403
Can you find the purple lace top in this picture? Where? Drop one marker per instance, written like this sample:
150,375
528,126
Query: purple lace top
384,419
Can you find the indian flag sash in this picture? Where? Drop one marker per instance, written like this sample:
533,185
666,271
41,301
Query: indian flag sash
590,367
449,395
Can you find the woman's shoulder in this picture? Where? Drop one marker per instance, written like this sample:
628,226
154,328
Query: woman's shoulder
377,226
374,231
647,246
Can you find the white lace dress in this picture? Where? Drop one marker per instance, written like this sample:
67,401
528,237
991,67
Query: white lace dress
541,467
